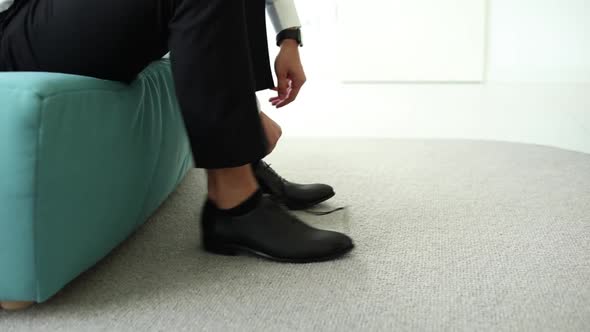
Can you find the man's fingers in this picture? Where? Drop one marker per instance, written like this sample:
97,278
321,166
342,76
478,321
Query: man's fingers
293,92
283,87
275,100
280,98
285,102
288,90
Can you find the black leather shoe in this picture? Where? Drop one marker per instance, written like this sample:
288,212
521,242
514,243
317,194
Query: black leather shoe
269,231
293,195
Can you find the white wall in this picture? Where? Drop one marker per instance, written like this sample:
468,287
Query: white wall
537,88
539,41
412,40
527,40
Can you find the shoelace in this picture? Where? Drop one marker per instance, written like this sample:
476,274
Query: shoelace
323,213
272,170
317,213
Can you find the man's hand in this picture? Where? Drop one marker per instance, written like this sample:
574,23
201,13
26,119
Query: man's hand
290,75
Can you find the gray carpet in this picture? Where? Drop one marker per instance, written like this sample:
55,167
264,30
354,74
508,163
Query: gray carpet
450,234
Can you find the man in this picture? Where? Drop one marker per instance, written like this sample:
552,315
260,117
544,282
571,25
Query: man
219,57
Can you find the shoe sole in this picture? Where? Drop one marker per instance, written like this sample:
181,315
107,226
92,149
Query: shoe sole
303,206
235,250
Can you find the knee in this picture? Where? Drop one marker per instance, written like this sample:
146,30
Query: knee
278,132
272,131
273,140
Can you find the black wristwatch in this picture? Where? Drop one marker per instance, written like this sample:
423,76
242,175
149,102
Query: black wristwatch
294,34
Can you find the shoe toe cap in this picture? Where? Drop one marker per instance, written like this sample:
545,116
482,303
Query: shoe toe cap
332,243
310,192
343,242
323,190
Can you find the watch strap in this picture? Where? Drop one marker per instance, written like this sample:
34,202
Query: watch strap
294,34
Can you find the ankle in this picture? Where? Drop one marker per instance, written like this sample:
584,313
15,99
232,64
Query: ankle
245,206
228,187
230,198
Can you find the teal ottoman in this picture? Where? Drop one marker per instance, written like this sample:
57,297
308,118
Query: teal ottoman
83,163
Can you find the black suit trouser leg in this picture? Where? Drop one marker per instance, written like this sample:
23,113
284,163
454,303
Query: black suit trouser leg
218,52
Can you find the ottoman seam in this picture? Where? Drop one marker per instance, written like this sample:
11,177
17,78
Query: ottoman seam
160,62
48,95
36,199
35,93
84,90
138,221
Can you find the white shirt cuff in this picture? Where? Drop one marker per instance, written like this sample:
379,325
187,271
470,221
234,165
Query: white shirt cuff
283,14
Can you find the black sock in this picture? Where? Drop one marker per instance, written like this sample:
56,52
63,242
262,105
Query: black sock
246,206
